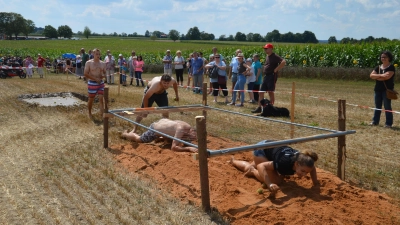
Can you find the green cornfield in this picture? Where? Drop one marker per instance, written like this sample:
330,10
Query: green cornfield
298,55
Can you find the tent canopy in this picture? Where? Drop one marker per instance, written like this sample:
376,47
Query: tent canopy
69,56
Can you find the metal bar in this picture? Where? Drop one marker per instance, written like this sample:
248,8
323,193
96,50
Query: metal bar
156,108
273,144
155,131
273,120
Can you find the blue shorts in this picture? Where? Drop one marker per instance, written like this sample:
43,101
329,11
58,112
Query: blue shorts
259,153
234,77
148,136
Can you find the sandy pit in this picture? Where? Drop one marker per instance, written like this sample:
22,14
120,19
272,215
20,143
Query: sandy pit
236,197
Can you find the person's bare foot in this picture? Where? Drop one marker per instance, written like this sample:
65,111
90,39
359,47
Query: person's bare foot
124,134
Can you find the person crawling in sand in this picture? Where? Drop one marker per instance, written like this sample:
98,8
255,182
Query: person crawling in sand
271,165
95,71
174,128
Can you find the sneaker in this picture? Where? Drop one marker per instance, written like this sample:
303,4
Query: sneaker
239,105
252,101
257,110
232,103
388,126
200,92
372,124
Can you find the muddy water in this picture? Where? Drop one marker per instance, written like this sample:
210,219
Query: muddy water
55,101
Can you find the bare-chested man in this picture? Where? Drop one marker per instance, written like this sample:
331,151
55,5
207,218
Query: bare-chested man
95,71
156,91
174,128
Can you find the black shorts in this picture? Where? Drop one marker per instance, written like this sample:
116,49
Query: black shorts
269,82
160,99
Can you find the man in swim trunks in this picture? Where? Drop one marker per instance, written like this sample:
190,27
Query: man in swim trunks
156,91
95,71
175,128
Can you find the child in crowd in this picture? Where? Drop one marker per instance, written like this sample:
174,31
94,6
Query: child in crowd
124,70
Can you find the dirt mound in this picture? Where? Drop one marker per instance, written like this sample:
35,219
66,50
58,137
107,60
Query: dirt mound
236,197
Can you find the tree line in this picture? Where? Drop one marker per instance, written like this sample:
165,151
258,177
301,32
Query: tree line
15,24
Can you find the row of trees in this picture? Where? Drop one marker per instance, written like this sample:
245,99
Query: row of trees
15,24
63,31
347,40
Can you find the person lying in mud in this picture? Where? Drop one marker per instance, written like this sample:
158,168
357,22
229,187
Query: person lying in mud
271,165
175,128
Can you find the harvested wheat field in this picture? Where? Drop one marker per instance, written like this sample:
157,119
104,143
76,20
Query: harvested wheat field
54,169
236,197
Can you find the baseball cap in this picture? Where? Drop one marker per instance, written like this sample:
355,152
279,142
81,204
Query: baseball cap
38,54
269,45
120,55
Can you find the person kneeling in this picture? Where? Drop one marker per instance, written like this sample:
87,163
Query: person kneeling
271,165
175,128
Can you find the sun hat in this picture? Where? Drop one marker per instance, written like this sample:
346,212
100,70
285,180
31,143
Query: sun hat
120,55
269,45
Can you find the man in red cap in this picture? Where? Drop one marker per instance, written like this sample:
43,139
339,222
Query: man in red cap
273,63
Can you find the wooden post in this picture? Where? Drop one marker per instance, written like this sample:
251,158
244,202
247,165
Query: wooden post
203,162
341,139
119,81
292,102
105,119
205,98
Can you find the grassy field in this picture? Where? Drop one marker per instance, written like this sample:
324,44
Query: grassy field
54,170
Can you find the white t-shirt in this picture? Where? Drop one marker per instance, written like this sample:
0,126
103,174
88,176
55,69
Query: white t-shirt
180,60
252,77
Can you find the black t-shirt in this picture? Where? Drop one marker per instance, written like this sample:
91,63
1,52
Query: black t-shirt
241,68
271,62
379,85
283,159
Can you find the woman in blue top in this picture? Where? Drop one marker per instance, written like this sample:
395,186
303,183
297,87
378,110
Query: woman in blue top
272,164
220,81
239,86
384,79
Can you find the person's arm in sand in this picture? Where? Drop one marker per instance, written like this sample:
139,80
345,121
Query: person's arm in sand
264,168
177,146
313,175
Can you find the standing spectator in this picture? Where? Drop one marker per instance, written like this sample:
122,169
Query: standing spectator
197,73
121,61
139,70
108,53
179,61
68,65
384,79
215,51
233,72
250,80
189,66
258,72
124,71
167,60
79,70
28,63
110,66
239,86
85,58
131,66
207,73
273,63
219,82
40,62
91,55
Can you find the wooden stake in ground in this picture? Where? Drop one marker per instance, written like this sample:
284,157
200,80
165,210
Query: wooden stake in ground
203,162
342,139
292,102
105,118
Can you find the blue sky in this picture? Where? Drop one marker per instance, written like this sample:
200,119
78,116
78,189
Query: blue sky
341,18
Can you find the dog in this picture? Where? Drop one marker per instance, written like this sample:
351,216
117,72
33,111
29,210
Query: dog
271,111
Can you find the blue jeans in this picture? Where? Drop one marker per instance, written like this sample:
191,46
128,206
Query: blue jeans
239,86
380,98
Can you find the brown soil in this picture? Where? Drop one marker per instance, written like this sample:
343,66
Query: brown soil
236,197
